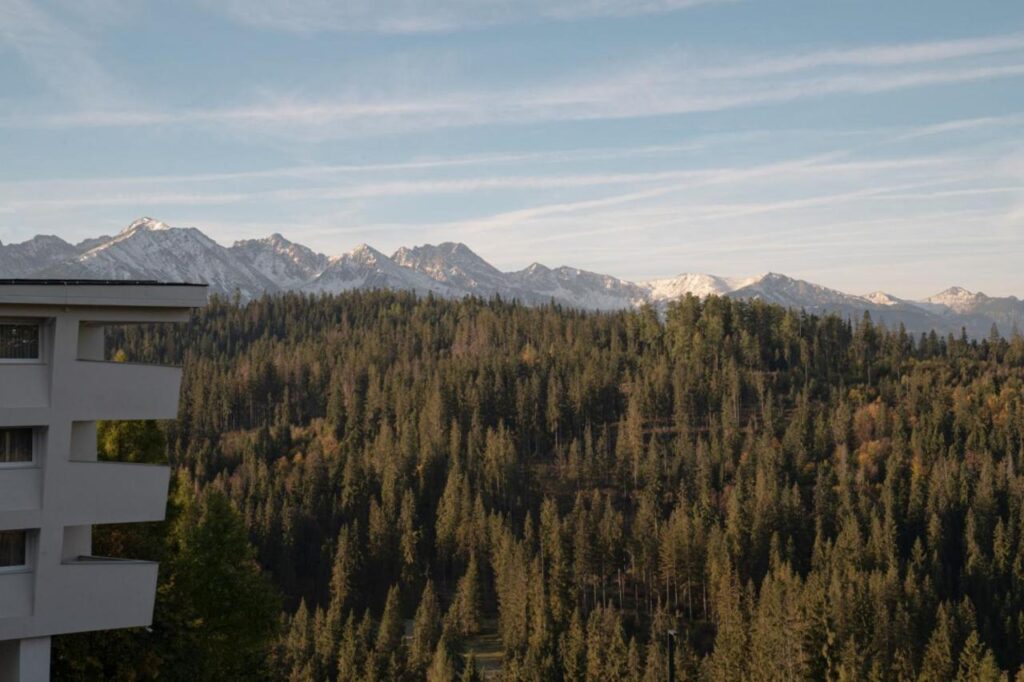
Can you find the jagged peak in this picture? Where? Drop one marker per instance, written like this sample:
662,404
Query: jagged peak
457,248
276,239
955,292
954,295
444,248
534,268
145,223
881,298
365,253
958,291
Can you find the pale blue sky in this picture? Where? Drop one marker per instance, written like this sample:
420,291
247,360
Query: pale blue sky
858,144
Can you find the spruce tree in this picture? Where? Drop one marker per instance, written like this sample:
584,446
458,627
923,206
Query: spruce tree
426,629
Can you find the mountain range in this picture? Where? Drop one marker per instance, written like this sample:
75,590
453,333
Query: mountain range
151,250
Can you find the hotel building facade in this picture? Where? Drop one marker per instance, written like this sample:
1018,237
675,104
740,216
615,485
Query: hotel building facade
54,385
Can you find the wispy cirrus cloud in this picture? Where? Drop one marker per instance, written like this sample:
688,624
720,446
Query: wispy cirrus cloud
60,57
668,85
436,16
114,192
326,171
875,56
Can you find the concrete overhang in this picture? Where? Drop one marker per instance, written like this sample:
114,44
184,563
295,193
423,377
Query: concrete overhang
102,293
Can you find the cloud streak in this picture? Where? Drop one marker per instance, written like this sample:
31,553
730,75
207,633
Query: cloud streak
58,55
667,86
436,16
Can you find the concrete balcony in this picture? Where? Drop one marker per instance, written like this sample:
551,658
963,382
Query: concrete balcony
118,390
15,595
21,488
112,492
94,593
24,385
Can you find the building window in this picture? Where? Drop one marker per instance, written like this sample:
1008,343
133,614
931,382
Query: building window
15,446
12,549
19,341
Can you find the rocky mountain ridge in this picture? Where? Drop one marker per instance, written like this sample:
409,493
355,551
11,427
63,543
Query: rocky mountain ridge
150,249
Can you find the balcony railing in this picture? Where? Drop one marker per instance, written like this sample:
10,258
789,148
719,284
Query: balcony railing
112,492
116,390
96,593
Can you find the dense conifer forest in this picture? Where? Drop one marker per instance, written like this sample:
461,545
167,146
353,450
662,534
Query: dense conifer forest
797,498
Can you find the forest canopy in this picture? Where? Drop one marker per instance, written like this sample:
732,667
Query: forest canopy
797,497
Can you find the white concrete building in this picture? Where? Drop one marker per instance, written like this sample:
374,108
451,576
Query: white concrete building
54,385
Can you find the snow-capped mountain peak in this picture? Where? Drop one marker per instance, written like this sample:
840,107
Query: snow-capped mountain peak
151,249
956,298
795,293
364,253
285,263
453,264
145,223
882,298
695,283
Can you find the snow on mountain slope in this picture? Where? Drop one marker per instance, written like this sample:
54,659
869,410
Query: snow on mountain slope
38,253
978,312
957,299
455,265
882,298
883,308
796,293
467,274
698,284
367,268
574,287
287,264
149,249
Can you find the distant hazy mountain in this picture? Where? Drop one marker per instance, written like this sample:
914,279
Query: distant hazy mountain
149,249
38,253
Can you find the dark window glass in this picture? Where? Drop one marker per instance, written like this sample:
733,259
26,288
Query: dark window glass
15,445
12,548
19,341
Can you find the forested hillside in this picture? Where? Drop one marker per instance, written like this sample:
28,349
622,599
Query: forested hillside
800,498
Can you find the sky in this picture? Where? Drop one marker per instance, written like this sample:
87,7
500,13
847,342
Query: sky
861,145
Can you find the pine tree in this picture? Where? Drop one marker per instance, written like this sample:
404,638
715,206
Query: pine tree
388,647
977,664
463,616
442,668
426,629
939,662
574,650
730,656
298,646
343,572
